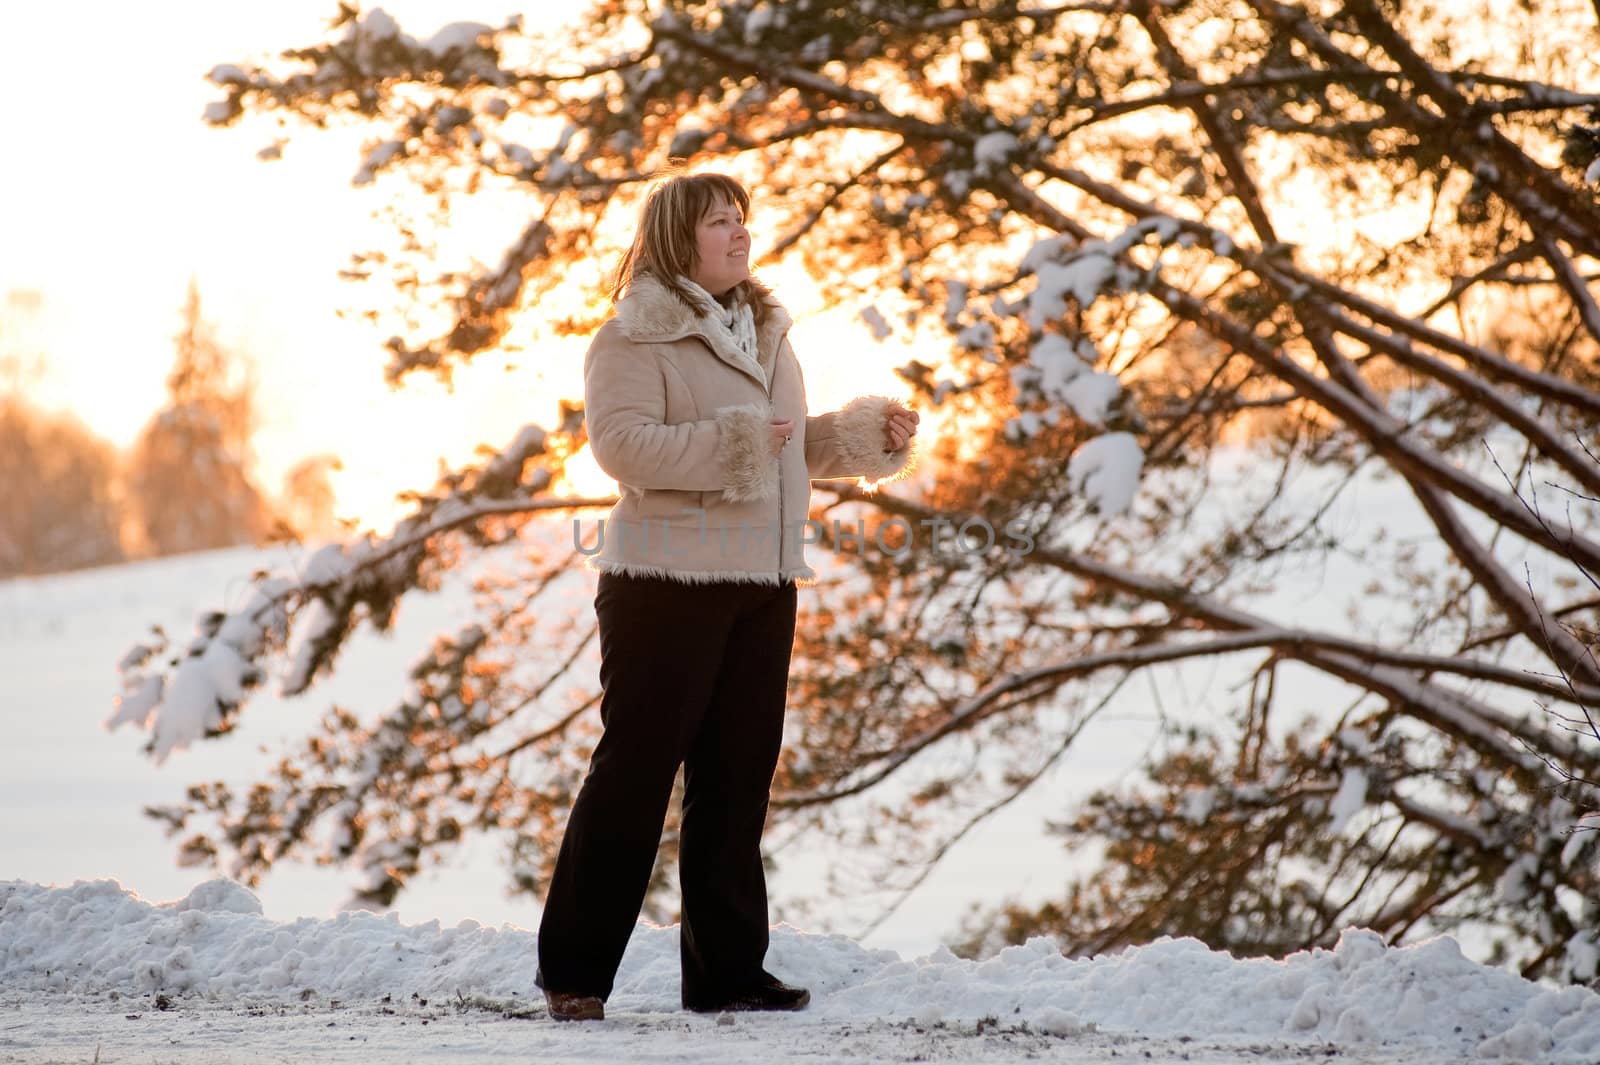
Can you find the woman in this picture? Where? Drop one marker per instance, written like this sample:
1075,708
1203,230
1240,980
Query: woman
695,404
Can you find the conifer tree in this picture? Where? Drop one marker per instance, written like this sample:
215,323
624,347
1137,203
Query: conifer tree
189,477
1211,273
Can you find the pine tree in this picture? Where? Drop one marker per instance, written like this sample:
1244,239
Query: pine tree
308,502
1246,257
189,480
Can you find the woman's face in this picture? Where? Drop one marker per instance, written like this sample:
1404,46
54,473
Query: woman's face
722,249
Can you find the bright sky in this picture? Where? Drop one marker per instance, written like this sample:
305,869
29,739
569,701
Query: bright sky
114,194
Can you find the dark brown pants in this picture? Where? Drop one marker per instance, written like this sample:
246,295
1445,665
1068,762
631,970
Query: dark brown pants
697,675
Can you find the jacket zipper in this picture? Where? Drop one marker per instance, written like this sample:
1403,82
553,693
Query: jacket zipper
780,500
774,409
768,390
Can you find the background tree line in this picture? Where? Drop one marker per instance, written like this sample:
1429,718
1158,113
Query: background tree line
72,500
1251,259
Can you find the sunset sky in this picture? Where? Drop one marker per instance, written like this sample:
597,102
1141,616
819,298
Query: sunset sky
115,194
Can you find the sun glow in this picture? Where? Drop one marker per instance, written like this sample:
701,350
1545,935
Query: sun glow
106,219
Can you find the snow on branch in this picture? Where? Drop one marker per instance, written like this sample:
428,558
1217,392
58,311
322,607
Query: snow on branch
1406,679
1060,374
184,694
371,52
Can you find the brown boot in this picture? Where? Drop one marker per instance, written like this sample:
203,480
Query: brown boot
572,1007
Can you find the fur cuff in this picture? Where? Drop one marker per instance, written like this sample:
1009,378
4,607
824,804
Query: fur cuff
860,434
749,472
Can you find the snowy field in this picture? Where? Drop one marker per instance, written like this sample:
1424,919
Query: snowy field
92,973
205,971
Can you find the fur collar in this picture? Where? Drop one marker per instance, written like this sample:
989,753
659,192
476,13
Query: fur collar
649,312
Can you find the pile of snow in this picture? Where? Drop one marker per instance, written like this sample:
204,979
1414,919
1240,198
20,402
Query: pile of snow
95,936
1106,470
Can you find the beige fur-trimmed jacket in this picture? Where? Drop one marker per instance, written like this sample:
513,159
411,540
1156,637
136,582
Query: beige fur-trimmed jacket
679,417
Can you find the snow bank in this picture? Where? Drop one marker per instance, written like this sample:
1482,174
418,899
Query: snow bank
214,943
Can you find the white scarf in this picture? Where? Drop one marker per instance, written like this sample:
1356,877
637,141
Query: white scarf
736,324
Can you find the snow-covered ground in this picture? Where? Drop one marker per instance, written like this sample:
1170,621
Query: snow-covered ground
93,973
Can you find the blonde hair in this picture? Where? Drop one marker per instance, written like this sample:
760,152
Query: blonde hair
664,244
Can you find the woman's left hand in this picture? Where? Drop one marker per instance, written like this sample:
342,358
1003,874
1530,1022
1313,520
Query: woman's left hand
899,427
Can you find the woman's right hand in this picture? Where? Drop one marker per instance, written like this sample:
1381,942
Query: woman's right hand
781,429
